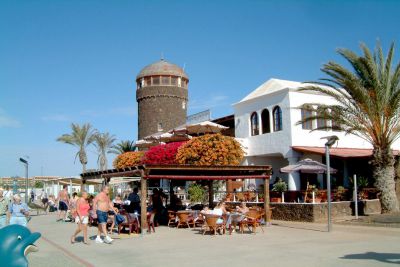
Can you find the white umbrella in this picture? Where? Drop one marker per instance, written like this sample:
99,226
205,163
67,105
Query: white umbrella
146,143
201,127
167,137
307,166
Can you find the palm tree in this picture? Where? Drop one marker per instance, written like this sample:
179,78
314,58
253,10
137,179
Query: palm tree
81,137
368,106
103,143
124,146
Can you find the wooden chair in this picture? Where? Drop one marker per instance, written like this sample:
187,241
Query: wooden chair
184,218
211,223
150,222
199,221
171,217
253,219
130,222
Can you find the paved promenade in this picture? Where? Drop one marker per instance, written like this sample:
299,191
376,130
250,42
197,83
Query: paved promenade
283,244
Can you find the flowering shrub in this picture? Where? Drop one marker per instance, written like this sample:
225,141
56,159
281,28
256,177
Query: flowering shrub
128,159
211,149
162,154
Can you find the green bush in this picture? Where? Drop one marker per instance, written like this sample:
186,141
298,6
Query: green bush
197,193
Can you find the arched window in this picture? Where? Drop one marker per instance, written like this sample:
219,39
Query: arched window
277,114
306,112
321,121
254,124
265,122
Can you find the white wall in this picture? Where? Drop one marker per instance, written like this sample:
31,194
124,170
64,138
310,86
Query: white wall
302,137
277,143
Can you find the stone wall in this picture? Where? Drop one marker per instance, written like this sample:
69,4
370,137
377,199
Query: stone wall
308,212
160,105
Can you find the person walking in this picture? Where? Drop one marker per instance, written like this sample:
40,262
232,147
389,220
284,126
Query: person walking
3,210
18,211
102,205
63,201
82,217
32,196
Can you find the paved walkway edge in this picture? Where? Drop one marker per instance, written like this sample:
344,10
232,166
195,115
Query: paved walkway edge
68,253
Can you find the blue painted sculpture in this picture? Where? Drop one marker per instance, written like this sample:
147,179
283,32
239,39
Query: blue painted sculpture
16,242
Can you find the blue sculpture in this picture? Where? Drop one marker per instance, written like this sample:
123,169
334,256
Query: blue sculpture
16,242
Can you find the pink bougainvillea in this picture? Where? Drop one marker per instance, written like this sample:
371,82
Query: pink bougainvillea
162,154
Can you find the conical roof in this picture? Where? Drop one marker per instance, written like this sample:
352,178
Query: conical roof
162,67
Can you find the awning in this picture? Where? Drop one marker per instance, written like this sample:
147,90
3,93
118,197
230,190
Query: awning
184,172
339,151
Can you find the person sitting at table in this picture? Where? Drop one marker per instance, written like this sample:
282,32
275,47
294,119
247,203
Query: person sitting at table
220,209
243,208
117,202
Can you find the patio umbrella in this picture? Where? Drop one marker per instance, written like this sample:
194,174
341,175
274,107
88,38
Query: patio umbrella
201,127
307,166
167,137
147,143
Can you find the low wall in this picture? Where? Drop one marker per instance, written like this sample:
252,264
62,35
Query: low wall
308,212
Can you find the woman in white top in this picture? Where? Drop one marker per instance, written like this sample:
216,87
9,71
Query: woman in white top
219,210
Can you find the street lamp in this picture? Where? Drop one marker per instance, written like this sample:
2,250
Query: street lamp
24,161
331,140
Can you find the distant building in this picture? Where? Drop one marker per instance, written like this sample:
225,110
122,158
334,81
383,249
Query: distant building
266,123
162,96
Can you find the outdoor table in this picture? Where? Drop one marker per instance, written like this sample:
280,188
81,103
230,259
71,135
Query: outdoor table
234,218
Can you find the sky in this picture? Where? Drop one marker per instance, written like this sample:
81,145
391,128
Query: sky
76,61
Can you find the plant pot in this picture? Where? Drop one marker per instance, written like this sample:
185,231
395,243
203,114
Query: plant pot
276,199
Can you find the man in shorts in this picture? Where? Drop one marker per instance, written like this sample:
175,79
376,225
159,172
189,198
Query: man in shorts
102,205
63,200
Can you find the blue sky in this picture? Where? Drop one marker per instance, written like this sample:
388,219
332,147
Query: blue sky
76,61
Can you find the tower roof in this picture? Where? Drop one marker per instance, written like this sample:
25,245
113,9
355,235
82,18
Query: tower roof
162,67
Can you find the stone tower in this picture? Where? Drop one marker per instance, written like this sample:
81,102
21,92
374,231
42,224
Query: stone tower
162,95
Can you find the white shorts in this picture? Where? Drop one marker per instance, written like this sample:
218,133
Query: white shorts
85,219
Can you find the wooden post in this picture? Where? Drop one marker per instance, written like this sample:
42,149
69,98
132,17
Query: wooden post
210,194
82,184
143,206
266,200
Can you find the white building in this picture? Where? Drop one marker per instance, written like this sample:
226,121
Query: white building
266,120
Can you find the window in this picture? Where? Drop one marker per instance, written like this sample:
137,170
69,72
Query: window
165,80
277,113
174,81
184,83
156,80
183,104
335,123
321,121
306,112
159,127
147,81
265,123
254,124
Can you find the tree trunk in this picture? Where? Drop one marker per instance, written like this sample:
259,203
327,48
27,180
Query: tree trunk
384,174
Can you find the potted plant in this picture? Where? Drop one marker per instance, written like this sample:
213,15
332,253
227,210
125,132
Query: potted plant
280,186
196,193
340,193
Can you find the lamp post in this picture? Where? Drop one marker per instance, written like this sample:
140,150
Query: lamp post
24,161
331,140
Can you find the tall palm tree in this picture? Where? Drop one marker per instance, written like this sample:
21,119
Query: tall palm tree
81,137
368,106
123,146
103,143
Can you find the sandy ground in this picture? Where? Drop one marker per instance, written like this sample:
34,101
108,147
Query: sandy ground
282,244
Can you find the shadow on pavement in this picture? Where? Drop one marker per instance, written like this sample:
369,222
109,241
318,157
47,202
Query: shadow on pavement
299,227
381,257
